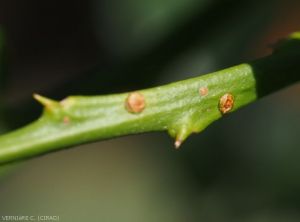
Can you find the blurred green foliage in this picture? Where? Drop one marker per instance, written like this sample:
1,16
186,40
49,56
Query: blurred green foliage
3,72
3,67
135,27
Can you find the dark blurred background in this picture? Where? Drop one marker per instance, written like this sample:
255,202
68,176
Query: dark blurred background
244,167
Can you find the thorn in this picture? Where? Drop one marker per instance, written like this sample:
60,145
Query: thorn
48,103
177,144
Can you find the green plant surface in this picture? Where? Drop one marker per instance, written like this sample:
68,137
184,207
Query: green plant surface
181,108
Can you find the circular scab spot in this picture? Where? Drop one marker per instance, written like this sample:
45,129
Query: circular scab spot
226,103
203,91
135,102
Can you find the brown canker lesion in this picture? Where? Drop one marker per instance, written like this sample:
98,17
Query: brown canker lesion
203,91
66,120
226,103
135,102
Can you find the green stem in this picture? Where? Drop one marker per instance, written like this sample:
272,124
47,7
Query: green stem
180,108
